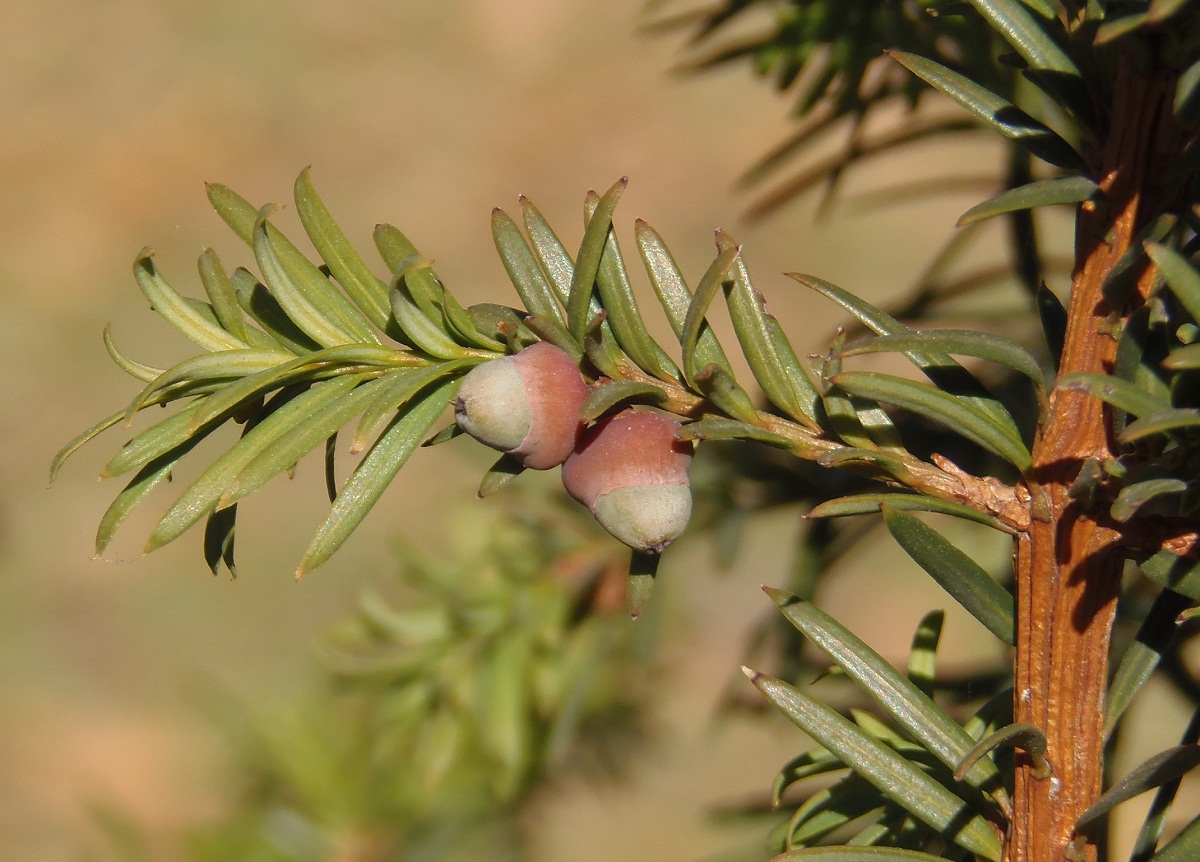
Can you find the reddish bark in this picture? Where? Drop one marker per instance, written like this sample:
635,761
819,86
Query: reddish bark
1069,562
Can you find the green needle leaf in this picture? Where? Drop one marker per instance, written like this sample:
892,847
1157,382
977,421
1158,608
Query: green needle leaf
558,266
719,428
643,569
995,111
1165,422
866,504
815,761
177,311
233,209
890,463
265,310
922,656
666,278
995,712
300,438
1143,655
147,479
959,342
156,440
911,708
587,262
422,289
223,297
1184,847
523,269
367,291
601,348
1169,570
1136,495
603,398
846,853
1181,277
445,435
1161,10
499,474
965,580
137,370
884,732
222,365
1044,8
549,330
1118,25
945,373
1158,770
623,314
394,392
954,412
1021,735
1053,317
320,364
842,412
831,808
77,442
302,306
550,252
426,333
859,422
1183,359
695,328
719,387
218,540
890,772
1113,390
296,269
460,325
1187,95
1040,193
288,411
768,352
1027,37
893,828
375,472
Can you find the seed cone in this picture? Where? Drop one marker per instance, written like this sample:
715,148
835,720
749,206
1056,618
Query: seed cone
526,405
632,474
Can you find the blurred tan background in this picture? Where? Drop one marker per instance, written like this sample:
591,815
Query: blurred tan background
425,113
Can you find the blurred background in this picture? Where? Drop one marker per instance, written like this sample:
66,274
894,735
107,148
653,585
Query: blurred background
427,114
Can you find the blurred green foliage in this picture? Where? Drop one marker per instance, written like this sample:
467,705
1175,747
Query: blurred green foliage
482,674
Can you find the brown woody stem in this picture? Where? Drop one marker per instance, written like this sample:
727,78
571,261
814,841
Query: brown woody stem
1069,562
